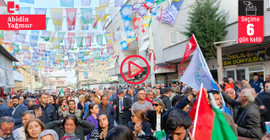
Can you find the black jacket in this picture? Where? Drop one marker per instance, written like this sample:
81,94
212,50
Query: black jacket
247,118
83,128
152,116
48,113
265,97
146,127
126,111
166,101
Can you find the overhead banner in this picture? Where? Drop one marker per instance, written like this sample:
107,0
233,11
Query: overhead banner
57,17
71,16
86,15
67,3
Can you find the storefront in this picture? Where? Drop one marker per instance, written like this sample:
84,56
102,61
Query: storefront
166,73
243,65
6,71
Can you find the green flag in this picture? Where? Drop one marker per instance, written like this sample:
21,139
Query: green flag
221,129
61,92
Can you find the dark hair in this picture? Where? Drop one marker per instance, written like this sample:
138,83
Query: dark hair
70,117
237,82
166,90
141,89
103,96
177,98
61,101
120,132
91,106
35,107
226,79
43,94
16,97
71,101
177,118
88,98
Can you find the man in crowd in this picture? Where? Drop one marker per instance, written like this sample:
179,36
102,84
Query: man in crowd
131,96
122,106
227,84
237,86
37,110
219,104
48,111
246,114
75,98
18,110
26,116
149,96
167,92
177,124
105,108
4,109
267,79
265,97
72,111
176,88
141,103
256,83
7,126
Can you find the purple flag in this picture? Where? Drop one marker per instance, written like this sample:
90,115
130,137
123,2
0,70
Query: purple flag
169,15
85,2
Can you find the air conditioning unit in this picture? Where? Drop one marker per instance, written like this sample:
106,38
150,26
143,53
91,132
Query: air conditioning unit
267,52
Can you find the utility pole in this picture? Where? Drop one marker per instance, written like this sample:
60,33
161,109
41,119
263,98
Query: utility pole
152,62
219,58
31,82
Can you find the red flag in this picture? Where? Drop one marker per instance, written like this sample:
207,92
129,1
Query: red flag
190,48
203,125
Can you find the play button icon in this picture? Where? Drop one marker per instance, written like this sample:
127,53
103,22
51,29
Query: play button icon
136,71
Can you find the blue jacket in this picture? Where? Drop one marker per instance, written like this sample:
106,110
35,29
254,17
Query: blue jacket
5,110
18,115
110,112
48,113
256,85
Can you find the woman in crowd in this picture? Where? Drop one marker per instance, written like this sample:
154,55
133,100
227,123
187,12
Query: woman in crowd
63,107
48,134
80,105
120,132
101,132
33,128
86,105
139,124
93,116
155,116
70,126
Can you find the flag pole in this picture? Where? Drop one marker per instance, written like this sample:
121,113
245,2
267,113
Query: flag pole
197,111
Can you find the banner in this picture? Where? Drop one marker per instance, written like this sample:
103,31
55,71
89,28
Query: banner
71,18
88,40
109,37
20,37
110,50
46,35
33,40
67,3
28,1
40,11
85,2
61,36
84,27
169,14
118,3
104,3
124,45
86,15
101,13
24,10
125,11
79,41
57,17
99,39
71,38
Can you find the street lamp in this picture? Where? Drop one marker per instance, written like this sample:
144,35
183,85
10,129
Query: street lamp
219,58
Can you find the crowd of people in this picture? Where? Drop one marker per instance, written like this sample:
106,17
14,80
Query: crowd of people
132,112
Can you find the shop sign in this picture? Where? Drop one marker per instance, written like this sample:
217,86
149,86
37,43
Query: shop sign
165,68
182,68
244,57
